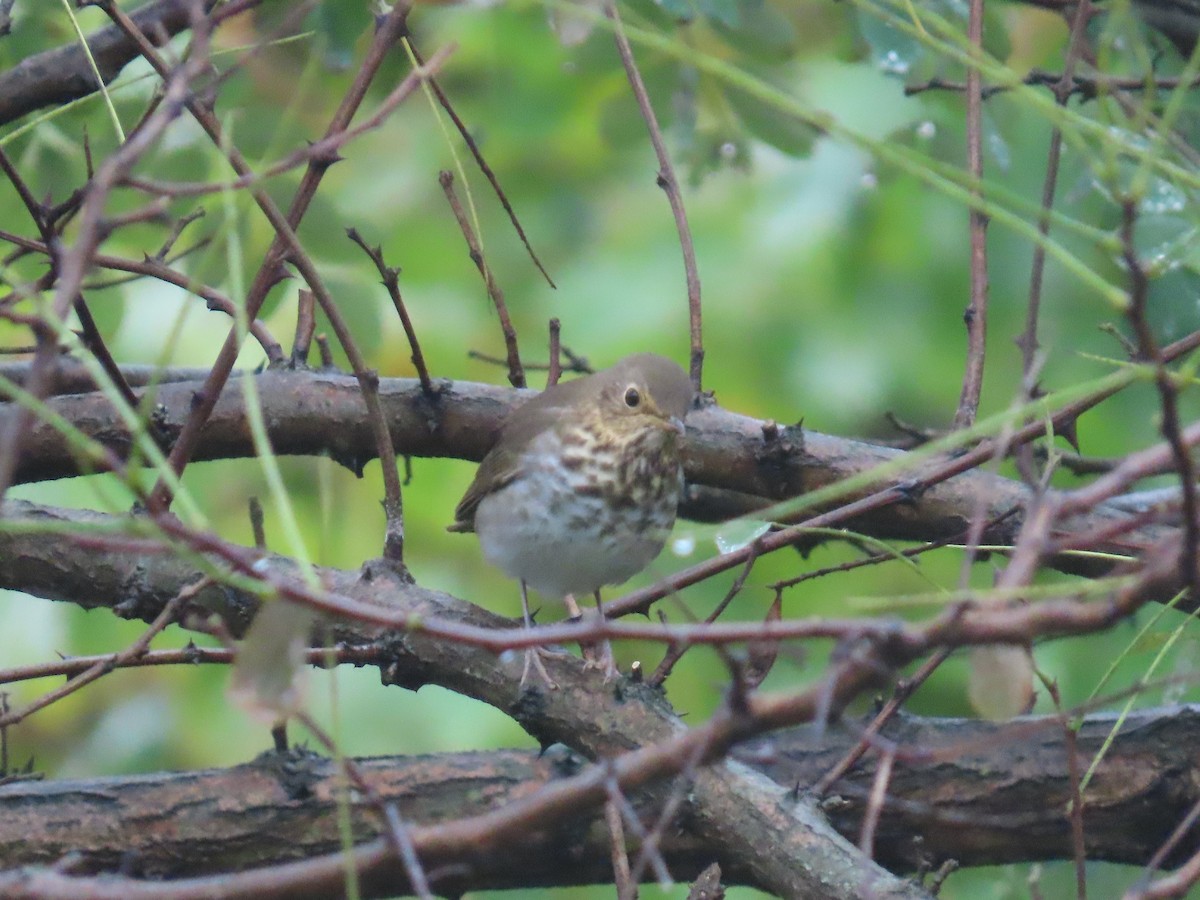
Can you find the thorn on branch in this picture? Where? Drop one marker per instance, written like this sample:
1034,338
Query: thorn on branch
306,325
323,349
554,372
256,523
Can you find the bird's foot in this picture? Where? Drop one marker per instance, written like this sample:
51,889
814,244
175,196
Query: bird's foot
533,661
597,654
601,657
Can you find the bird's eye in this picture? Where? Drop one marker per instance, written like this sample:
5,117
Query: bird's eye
633,397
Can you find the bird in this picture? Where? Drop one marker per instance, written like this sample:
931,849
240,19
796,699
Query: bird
581,487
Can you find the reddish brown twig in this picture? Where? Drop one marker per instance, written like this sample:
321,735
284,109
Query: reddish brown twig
465,133
155,268
75,262
1063,88
670,185
386,35
554,372
516,373
306,324
975,316
102,667
390,276
1168,392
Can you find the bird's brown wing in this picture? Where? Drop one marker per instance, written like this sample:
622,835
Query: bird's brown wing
502,464
497,469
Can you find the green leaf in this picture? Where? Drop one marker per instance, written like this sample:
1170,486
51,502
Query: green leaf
723,12
767,123
679,10
763,32
995,33
892,50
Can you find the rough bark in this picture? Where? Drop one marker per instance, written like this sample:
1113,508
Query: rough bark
975,792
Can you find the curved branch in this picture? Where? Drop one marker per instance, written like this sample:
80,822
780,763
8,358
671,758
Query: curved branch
982,804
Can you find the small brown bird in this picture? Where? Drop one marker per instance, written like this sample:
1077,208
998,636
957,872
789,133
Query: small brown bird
581,487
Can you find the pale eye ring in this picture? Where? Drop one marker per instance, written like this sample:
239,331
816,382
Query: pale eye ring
633,397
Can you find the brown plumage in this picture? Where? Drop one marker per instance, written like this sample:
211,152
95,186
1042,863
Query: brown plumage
581,488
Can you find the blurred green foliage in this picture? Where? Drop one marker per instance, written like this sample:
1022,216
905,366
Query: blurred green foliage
834,284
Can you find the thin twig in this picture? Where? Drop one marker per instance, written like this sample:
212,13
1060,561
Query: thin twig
1075,809
184,656
306,324
670,185
626,889
177,228
397,833
102,667
876,558
575,363
675,651
99,284
1171,427
482,163
555,371
368,381
324,151
391,281
401,837
324,351
1170,887
903,690
975,316
516,373
393,502
4,707
256,523
1178,833
883,775
387,33
94,342
1063,88
1086,86
649,853
154,268
92,339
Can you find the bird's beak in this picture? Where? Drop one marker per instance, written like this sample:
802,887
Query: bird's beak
676,424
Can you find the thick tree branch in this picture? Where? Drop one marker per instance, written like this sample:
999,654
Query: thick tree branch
313,413
732,807
981,804
740,809
64,74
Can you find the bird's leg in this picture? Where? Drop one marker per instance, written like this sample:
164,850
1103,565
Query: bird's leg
593,657
575,612
607,662
533,655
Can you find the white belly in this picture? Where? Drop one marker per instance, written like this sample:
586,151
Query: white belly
560,540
